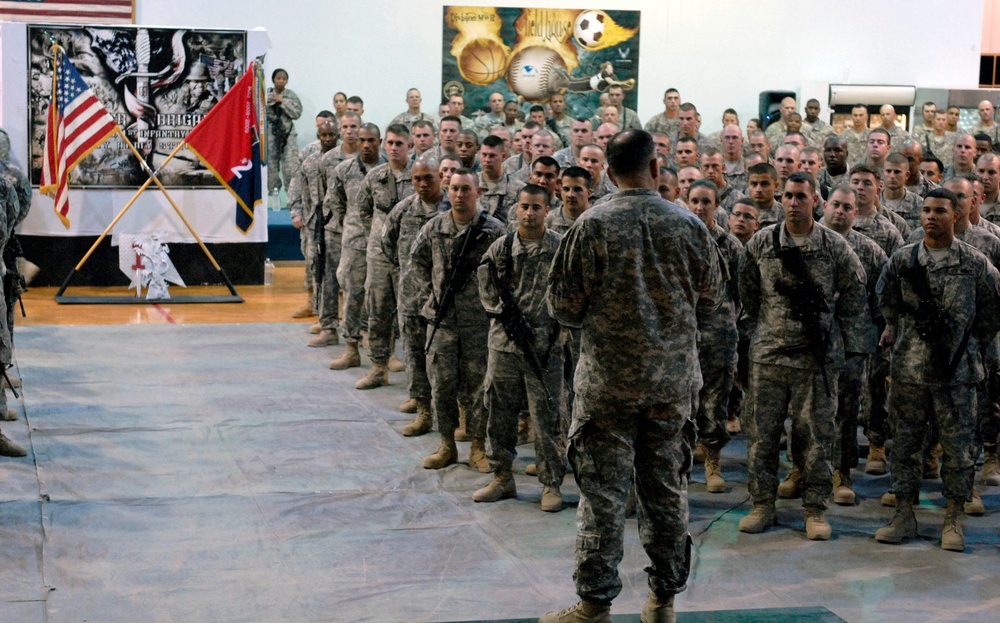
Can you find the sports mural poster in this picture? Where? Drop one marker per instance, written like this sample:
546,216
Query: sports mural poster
157,83
530,55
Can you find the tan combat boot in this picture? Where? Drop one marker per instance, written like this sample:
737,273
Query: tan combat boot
658,610
902,526
446,454
315,328
699,453
583,612
817,528
952,538
975,507
991,469
531,469
843,488
713,471
501,487
395,364
761,517
376,377
421,424
791,486
477,456
875,464
408,406
10,415
306,311
350,359
323,338
11,449
460,434
932,468
552,501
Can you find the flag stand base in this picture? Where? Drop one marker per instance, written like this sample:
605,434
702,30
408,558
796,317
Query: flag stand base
62,299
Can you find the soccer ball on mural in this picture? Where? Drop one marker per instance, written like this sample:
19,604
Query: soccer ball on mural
589,27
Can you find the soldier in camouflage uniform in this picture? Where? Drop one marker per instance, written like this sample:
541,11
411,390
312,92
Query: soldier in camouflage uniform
776,131
988,168
867,182
916,182
926,125
385,185
401,228
305,200
453,242
963,157
815,129
668,121
283,108
856,135
13,287
941,302
803,286
895,196
717,338
732,154
499,189
839,213
888,114
637,380
10,211
520,261
412,114
940,142
762,182
493,118
345,194
987,123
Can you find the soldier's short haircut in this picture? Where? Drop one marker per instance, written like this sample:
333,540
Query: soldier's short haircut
595,146
352,115
630,152
864,168
705,184
988,156
794,114
536,108
979,136
422,123
467,171
812,150
747,201
761,133
688,107
888,137
937,162
355,99
671,90
547,161
812,100
326,114
493,141
452,119
943,193
450,155
687,139
371,127
897,158
953,106
279,70
756,121
575,171
470,134
844,188
668,172
398,129
530,125
859,106
929,103
711,151
802,177
798,134
763,168
835,139
328,125
535,189
730,111
585,120
543,133
970,176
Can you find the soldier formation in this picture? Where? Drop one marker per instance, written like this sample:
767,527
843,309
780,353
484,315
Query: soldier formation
633,298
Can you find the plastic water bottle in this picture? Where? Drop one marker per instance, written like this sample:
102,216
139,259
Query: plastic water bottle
268,272
273,201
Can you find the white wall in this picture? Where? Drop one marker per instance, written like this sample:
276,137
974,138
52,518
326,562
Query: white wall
719,53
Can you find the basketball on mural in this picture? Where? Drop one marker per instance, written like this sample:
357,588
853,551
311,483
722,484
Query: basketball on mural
482,61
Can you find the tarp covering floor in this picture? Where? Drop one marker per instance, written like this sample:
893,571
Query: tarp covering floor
221,473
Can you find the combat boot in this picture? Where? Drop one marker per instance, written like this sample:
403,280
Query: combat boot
902,526
421,424
733,426
501,487
446,454
460,433
323,338
932,468
531,469
477,456
991,469
713,471
315,328
699,453
658,610
11,449
583,612
552,501
395,365
843,488
875,464
408,406
306,311
889,498
952,538
350,359
376,377
10,415
761,517
975,507
817,528
791,487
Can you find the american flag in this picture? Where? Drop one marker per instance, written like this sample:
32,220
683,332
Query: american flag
68,11
76,124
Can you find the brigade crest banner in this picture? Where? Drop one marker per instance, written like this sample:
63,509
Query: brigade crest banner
530,55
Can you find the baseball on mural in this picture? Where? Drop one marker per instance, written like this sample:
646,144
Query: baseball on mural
589,28
482,61
533,72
